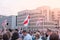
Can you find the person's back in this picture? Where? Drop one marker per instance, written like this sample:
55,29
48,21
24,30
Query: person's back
15,36
19,39
54,36
9,35
28,37
5,37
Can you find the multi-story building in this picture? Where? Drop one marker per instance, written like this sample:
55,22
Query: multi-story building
57,14
39,18
21,17
11,20
45,10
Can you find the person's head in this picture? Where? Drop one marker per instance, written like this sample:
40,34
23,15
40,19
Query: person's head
15,36
54,36
31,33
49,32
24,32
10,30
16,30
37,35
42,33
5,37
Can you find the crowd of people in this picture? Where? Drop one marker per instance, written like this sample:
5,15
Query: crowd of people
16,34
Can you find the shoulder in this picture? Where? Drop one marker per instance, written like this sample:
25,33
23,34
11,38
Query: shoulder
19,39
28,35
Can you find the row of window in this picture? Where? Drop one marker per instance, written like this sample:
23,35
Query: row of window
28,13
21,17
41,27
32,18
31,24
35,20
32,14
37,25
22,14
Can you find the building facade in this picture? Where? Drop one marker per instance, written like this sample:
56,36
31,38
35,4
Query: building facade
57,14
11,20
39,18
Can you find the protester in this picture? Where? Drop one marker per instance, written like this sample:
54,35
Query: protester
20,34
15,36
49,32
37,36
5,37
43,36
27,36
32,34
19,39
54,36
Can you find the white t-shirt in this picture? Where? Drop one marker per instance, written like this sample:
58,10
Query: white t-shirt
28,37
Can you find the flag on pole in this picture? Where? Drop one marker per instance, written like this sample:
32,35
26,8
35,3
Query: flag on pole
26,21
4,23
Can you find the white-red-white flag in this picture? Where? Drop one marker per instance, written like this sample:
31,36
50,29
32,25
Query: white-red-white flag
4,23
26,21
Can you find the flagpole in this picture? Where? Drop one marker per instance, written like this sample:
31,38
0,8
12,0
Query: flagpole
26,22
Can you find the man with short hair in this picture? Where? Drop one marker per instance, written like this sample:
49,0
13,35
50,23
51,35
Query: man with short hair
26,35
54,36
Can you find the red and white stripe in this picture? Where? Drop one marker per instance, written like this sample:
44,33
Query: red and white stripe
26,21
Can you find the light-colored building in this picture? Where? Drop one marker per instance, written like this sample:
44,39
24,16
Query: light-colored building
11,20
39,18
56,12
21,17
45,10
